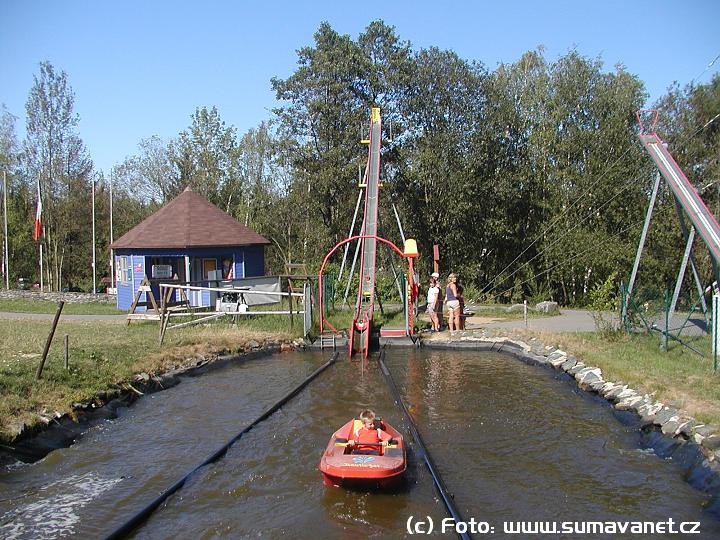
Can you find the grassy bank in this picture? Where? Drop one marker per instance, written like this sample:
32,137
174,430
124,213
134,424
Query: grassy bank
45,306
102,355
678,376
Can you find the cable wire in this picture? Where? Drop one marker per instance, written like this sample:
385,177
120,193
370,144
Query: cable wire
681,145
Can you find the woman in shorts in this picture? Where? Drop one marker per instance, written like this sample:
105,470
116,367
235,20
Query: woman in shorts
453,304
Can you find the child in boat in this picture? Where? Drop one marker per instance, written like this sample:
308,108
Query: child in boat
368,433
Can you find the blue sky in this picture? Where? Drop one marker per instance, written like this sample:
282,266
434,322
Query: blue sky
140,68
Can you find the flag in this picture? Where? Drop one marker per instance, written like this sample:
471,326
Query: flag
37,232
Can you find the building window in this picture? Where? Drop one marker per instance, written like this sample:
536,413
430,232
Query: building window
123,272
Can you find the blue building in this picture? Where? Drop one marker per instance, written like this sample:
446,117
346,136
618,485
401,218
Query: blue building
188,240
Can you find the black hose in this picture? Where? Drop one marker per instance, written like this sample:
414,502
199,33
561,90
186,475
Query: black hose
422,450
143,514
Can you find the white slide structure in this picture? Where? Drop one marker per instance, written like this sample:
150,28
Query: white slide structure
702,219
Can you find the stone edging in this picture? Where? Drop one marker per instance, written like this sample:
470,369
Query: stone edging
672,433
60,430
68,297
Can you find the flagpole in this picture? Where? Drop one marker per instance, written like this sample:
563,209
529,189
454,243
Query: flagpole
38,233
94,291
42,286
112,263
6,252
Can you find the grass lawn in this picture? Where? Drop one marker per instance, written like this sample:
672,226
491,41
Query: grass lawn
678,376
102,356
45,306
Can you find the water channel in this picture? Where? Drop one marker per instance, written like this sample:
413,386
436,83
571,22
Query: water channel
513,443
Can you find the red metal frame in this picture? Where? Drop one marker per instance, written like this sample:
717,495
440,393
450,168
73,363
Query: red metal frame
322,267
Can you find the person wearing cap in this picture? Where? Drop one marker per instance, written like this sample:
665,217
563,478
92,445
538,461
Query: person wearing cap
433,299
453,304
439,304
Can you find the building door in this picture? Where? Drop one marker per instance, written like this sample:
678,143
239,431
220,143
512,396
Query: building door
209,265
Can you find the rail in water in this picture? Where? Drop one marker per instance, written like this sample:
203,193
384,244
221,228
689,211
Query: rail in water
422,450
136,520
140,517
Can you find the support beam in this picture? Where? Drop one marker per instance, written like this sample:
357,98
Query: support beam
681,273
693,265
641,244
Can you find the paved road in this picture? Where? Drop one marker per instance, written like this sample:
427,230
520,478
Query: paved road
579,320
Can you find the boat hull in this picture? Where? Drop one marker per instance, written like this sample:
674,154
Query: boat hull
341,467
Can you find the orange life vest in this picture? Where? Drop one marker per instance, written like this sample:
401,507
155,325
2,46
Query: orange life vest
364,435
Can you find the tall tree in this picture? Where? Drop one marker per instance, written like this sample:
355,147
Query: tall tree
56,157
20,259
205,157
150,174
322,119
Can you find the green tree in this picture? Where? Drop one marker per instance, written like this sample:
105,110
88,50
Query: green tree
55,156
150,174
205,158
321,126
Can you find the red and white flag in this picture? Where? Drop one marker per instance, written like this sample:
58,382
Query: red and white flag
37,232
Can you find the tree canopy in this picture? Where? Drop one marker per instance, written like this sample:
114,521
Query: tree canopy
530,176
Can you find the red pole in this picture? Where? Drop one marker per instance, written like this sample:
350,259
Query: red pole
411,289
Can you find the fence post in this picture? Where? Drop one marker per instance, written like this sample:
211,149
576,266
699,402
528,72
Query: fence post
38,373
67,350
715,333
290,303
525,312
307,306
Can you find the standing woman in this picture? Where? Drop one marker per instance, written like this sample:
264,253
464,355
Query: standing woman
453,304
433,299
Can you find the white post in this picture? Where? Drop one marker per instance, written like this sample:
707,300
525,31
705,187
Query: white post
187,279
6,252
112,262
715,333
352,227
525,312
94,291
42,286
397,218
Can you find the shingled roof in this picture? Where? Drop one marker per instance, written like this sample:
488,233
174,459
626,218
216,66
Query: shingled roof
188,221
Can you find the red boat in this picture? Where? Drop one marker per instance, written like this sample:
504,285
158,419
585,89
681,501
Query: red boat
340,467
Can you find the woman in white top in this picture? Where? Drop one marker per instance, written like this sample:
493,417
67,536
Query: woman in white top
433,295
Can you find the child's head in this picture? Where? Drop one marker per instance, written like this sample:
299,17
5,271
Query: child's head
367,417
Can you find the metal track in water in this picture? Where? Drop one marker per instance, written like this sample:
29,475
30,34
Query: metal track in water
442,490
135,521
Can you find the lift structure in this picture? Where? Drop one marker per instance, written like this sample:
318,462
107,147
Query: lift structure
687,203
363,331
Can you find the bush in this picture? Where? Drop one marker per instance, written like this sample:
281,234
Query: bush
603,298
